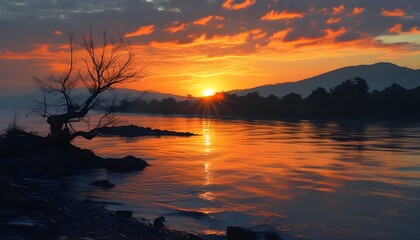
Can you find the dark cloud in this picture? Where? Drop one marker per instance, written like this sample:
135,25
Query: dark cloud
350,35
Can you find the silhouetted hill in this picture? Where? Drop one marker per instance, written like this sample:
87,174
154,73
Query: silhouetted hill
378,76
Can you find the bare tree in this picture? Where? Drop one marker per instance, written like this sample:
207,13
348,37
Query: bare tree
102,66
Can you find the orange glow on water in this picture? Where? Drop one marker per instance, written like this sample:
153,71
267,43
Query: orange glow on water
264,168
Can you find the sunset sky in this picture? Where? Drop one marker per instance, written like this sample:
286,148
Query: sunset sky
194,45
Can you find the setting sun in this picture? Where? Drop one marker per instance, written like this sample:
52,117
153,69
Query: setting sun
208,92
234,119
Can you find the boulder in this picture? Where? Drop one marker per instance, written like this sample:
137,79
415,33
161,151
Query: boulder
237,233
126,164
158,222
103,183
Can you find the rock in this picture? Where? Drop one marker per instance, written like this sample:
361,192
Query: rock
103,183
124,213
158,222
136,131
126,164
85,154
237,233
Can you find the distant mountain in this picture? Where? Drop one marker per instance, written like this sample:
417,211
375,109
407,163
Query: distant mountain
24,102
378,76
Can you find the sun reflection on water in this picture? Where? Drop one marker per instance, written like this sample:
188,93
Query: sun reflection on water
317,179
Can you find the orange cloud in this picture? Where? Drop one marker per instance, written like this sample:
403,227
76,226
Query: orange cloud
414,30
145,30
273,15
358,10
397,28
177,28
58,32
203,21
280,35
333,20
258,33
229,4
392,13
41,51
339,9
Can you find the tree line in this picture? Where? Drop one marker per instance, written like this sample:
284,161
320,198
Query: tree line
349,100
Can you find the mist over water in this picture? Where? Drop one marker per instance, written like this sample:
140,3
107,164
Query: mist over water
316,180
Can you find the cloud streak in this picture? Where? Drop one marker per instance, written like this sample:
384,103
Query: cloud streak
145,30
273,15
231,5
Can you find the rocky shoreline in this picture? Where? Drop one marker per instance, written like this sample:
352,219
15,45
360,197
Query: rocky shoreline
30,210
34,203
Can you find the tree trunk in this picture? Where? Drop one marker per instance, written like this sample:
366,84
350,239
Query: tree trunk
57,131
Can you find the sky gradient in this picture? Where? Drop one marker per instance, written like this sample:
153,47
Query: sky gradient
193,45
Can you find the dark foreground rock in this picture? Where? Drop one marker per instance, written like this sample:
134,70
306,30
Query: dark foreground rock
32,155
136,131
126,164
34,203
158,222
44,212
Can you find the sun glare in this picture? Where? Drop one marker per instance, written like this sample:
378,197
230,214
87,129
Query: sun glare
208,92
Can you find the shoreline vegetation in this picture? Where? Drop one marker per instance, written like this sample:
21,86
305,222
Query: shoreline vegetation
35,203
350,100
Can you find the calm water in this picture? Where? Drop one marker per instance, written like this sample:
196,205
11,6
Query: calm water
315,180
